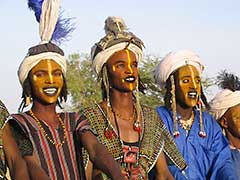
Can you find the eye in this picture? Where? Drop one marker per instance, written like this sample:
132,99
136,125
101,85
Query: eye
198,81
135,65
120,65
57,73
39,74
185,80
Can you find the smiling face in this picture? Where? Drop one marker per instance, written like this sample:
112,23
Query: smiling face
189,86
46,81
123,70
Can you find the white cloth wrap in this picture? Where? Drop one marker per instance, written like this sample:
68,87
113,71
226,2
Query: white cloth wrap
29,62
48,19
104,55
223,101
174,60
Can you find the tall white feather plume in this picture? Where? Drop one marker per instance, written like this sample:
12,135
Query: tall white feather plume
48,20
114,25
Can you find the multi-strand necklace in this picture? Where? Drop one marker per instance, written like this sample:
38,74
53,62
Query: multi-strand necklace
187,123
52,141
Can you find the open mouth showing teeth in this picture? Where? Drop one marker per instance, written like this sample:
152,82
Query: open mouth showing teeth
130,79
192,94
50,91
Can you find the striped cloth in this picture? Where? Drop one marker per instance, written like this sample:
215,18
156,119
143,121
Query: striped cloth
64,162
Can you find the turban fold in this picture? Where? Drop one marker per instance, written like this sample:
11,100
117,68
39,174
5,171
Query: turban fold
102,57
29,62
116,39
51,27
223,101
173,61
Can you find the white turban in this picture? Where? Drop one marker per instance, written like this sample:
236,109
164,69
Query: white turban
223,101
30,61
172,61
105,54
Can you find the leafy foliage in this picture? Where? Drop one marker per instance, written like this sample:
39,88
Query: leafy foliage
82,82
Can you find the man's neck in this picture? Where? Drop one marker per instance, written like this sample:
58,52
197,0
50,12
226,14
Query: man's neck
233,141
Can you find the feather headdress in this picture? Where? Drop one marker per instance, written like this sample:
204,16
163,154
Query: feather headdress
62,27
52,27
227,80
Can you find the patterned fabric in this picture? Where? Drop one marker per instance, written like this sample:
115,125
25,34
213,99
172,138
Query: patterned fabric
152,140
207,157
58,162
3,116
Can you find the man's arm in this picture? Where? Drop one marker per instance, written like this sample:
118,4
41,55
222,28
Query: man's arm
162,171
99,155
16,164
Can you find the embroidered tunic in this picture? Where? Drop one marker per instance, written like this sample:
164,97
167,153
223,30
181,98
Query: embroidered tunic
154,138
61,162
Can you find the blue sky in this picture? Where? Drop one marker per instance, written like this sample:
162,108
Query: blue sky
209,28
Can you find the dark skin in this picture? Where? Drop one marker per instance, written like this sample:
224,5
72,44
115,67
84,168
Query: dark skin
44,108
230,121
188,80
123,73
16,164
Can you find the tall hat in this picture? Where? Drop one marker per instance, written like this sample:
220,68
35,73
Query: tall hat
164,71
52,27
228,97
117,38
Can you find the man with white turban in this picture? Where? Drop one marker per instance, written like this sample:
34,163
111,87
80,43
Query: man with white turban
51,142
196,133
132,132
225,107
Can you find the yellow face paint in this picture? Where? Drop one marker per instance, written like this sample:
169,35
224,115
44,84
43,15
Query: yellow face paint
114,68
189,85
47,81
123,67
129,61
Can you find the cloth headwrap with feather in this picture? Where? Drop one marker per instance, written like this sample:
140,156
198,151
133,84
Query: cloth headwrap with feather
228,97
51,28
117,38
174,60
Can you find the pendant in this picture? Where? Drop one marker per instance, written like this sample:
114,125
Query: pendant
137,127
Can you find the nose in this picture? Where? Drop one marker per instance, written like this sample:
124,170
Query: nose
49,79
129,69
193,84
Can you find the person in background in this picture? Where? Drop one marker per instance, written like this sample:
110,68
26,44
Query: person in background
196,133
225,107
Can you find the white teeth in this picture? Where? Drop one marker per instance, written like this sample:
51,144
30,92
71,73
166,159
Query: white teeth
192,93
50,90
130,79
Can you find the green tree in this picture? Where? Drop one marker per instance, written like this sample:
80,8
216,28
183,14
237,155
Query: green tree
82,82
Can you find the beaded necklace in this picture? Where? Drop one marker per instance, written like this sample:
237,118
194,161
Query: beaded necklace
52,141
187,124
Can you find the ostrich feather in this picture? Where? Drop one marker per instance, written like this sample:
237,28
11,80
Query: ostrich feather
64,26
227,80
114,25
